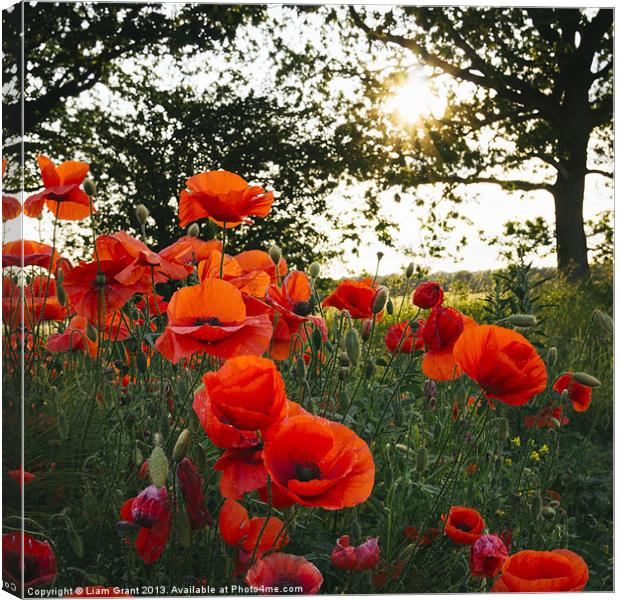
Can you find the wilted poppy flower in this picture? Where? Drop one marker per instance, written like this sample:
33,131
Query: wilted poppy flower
23,253
356,297
403,339
62,194
215,318
225,198
74,338
464,525
242,470
188,249
355,558
247,391
293,299
580,395
320,463
281,573
37,565
539,571
487,556
191,483
149,511
428,295
221,433
258,260
502,362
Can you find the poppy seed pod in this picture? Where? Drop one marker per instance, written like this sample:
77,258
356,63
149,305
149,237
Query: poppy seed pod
181,446
314,269
275,253
380,299
409,271
142,214
90,187
158,466
586,379
193,230
352,345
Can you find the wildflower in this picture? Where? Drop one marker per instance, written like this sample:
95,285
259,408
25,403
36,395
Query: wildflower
516,441
502,362
257,260
39,301
403,334
243,472
464,525
17,474
535,456
214,317
24,253
191,483
471,468
36,565
225,198
285,573
189,249
580,395
544,449
487,556
293,299
357,297
508,462
355,558
428,295
149,511
73,339
539,571
62,194
320,463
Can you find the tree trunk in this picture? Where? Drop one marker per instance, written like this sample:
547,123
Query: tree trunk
568,191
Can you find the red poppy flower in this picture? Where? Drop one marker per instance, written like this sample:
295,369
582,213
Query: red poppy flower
149,511
539,571
428,295
11,207
16,475
254,283
502,362
191,483
277,495
257,260
155,304
23,253
242,470
93,294
280,347
39,302
547,418
37,565
320,463
188,249
284,573
487,556
292,300
580,395
74,338
464,525
62,194
248,391
140,263
223,197
222,434
215,318
410,339
356,297
355,558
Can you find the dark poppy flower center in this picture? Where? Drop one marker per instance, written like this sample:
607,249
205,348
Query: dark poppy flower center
208,321
307,471
463,527
302,309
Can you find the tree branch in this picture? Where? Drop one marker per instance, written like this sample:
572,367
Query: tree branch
510,185
600,172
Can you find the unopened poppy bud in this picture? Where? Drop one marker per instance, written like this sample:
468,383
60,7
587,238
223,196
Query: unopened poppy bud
90,187
555,422
91,333
158,466
60,275
61,295
389,307
300,368
537,506
275,253
314,269
381,297
369,369
605,320
193,230
317,337
552,356
352,345
138,457
76,541
182,529
409,271
142,213
586,379
90,506
548,513
422,459
141,362
522,320
181,447
366,329
502,429
200,457
343,359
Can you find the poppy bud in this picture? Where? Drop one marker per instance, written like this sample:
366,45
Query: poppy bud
158,440
428,295
90,187
300,369
61,295
91,333
605,320
552,356
537,506
317,337
60,275
343,373
369,369
502,429
180,448
182,529
352,345
193,230
522,320
138,457
142,214
200,457
555,422
586,379
76,541
409,271
548,513
366,329
380,299
389,307
343,359
422,459
90,506
275,253
141,362
314,269
158,467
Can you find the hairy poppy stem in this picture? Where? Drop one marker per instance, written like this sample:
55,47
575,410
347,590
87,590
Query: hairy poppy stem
223,251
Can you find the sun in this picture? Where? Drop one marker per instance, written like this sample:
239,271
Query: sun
415,100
